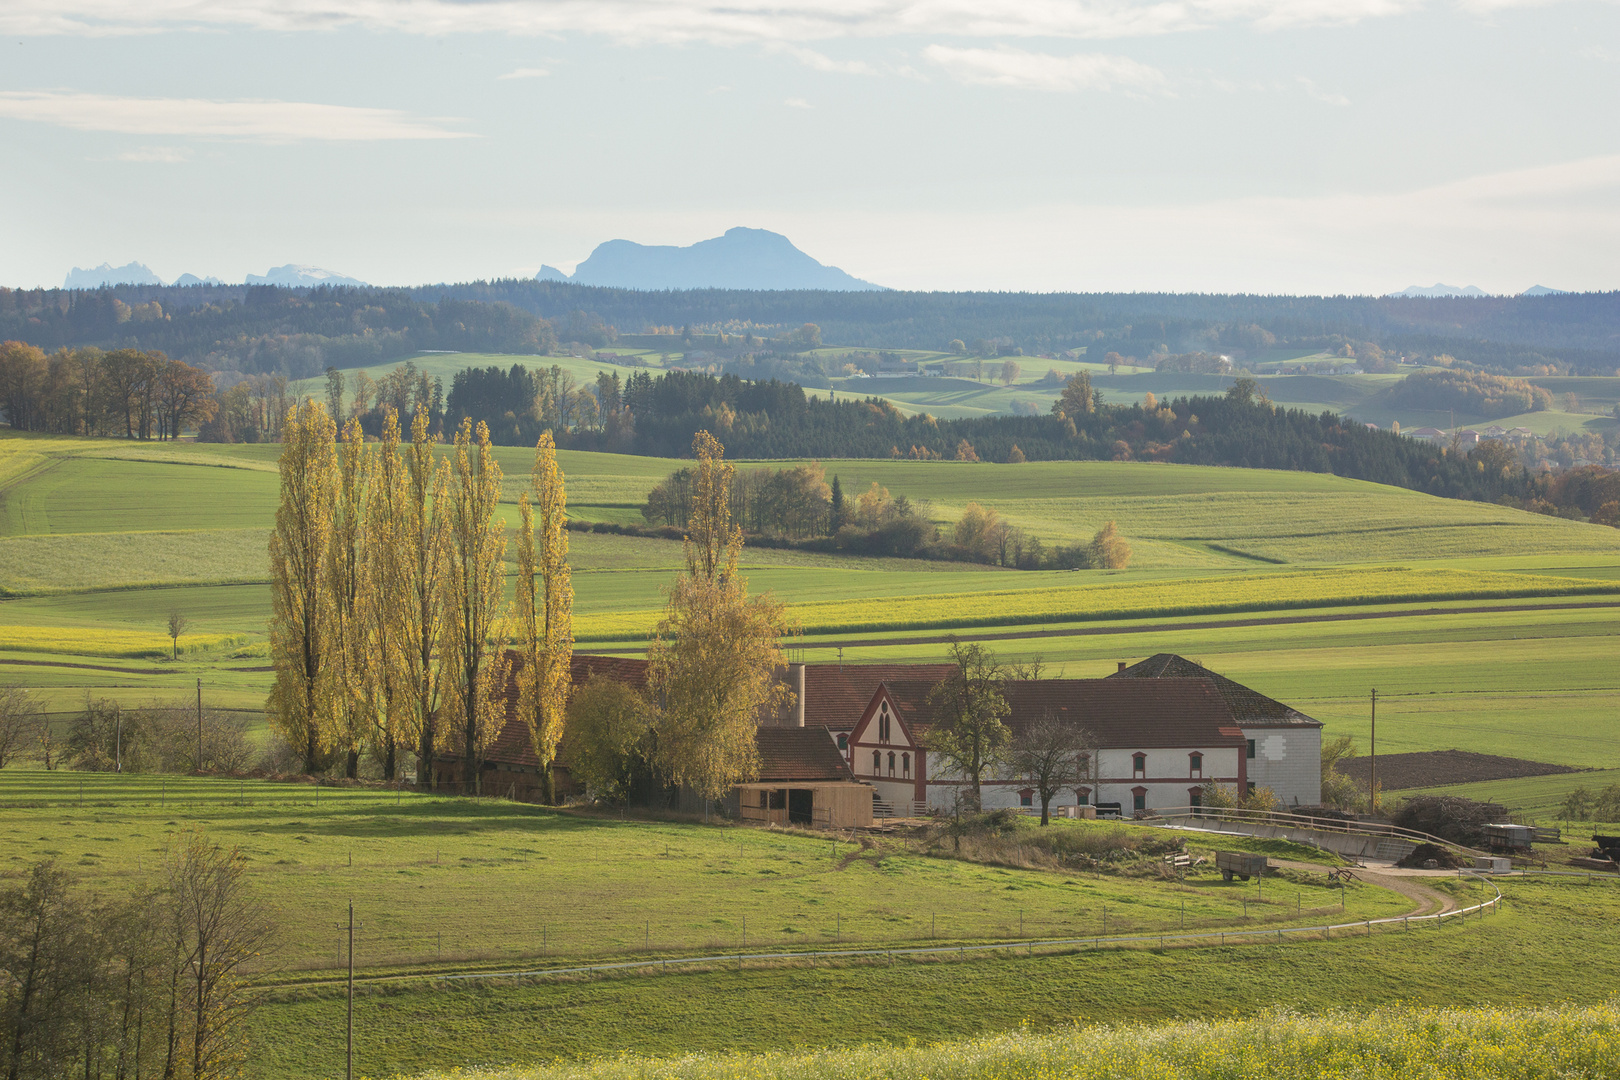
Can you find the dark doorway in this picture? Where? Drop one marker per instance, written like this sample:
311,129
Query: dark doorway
801,806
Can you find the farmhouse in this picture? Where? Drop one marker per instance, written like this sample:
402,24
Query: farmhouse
851,742
1282,746
1157,743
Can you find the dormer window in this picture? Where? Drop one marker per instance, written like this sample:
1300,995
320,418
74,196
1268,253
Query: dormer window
1138,766
843,740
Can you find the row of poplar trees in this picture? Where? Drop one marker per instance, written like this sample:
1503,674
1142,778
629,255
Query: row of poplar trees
390,618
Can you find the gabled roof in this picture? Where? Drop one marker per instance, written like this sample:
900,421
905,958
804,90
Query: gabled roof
1251,708
795,754
836,695
1122,714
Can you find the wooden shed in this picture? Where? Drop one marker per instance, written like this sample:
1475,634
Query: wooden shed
803,780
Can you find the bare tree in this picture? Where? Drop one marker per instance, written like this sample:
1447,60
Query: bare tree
219,929
177,626
1052,754
20,721
969,737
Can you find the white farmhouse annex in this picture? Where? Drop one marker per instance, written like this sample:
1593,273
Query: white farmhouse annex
1158,743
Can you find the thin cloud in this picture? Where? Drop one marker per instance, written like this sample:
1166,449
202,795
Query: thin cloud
1042,71
167,155
525,73
273,121
797,103
716,21
816,61
1316,93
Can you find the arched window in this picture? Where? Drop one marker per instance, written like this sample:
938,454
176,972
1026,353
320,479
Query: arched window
891,762
905,766
877,763
1138,765
843,740
1195,765
883,723
1082,796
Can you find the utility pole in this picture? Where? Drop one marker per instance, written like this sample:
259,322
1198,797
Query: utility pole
349,1068
199,725
1372,775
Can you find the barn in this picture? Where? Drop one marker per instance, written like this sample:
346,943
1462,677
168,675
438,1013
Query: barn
1157,743
1283,746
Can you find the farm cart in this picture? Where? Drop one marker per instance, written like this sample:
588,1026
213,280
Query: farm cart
1240,864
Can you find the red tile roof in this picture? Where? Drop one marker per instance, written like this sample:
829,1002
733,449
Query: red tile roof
1121,713
836,695
1250,707
512,748
799,754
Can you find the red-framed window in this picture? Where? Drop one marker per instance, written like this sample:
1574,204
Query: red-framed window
1138,766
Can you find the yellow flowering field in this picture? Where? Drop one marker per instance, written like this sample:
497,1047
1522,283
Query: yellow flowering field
1122,600
100,641
1554,1043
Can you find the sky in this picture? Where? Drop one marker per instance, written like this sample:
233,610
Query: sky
1270,146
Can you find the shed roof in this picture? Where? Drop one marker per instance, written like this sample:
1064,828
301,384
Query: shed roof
788,754
1251,708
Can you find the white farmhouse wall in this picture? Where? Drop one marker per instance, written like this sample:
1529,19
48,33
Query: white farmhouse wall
1288,760
1168,780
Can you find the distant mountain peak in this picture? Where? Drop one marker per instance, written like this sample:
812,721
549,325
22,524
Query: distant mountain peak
1542,290
742,258
299,274
1438,289
106,274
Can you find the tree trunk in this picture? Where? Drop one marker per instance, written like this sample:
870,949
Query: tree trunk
548,785
424,757
1046,803
352,768
390,759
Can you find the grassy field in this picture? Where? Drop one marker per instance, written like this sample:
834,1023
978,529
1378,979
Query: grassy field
446,880
100,539
1418,1044
1554,932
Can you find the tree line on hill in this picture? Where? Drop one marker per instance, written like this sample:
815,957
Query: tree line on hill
796,507
298,332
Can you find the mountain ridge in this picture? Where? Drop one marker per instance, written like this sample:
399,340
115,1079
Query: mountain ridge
741,258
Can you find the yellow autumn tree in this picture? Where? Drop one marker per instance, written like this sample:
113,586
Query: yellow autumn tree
474,600
421,611
301,602
713,656
385,598
545,605
348,663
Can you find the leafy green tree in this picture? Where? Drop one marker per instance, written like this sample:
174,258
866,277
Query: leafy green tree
970,736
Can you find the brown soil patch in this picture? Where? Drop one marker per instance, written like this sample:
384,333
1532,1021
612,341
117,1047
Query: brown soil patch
1436,768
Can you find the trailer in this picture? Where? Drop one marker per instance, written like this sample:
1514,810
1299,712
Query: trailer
1240,864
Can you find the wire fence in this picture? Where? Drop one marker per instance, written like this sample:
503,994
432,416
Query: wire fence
1034,946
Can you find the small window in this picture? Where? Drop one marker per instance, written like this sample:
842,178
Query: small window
1026,798
1139,801
877,762
1139,765
843,741
1249,753
1195,764
1195,797
891,762
905,766
1082,796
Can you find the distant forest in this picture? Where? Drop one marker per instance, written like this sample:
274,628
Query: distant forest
657,414
300,332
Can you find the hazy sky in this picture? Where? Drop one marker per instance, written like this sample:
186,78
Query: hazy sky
1317,146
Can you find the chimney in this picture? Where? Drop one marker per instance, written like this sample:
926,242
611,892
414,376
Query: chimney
1122,665
796,684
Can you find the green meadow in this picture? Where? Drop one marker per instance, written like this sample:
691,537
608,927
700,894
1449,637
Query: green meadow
101,539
